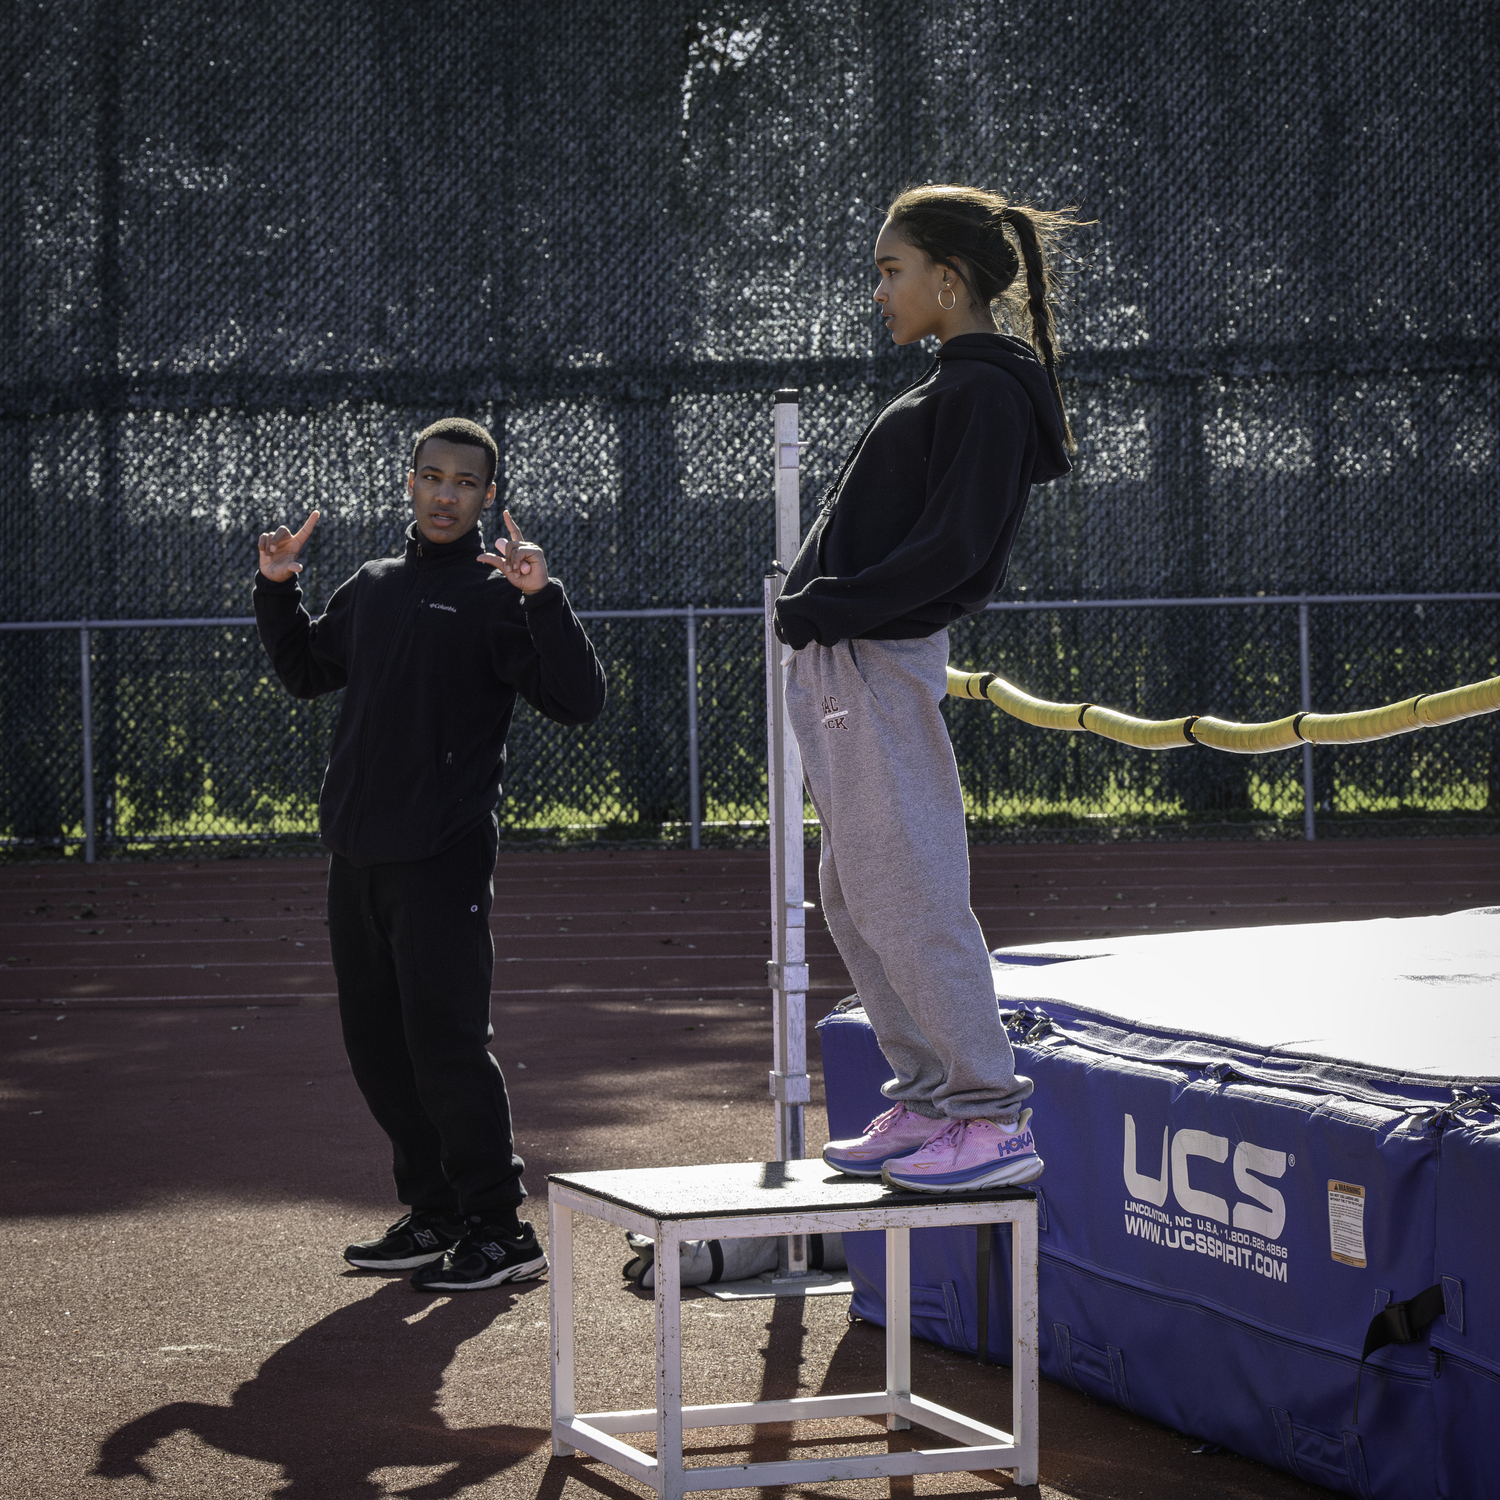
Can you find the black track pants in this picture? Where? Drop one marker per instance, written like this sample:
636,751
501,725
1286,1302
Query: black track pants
413,956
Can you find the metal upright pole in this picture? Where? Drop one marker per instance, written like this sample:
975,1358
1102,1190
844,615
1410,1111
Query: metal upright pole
85,693
695,807
787,970
788,967
1304,649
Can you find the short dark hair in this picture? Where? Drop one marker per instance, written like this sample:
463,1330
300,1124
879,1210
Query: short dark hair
467,434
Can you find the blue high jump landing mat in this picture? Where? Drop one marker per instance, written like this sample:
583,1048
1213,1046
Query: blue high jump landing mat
1268,1151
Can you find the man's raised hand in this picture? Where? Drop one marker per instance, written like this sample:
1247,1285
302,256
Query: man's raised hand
521,561
280,549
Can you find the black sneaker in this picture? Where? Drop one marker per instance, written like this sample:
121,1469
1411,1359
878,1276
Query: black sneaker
413,1240
484,1257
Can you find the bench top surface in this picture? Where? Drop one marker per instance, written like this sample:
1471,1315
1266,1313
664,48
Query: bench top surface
754,1187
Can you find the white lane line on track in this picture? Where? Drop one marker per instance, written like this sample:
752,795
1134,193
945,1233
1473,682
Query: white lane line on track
668,989
45,1000
315,963
508,933
696,990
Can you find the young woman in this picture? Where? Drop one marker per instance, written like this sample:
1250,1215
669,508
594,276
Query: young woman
916,533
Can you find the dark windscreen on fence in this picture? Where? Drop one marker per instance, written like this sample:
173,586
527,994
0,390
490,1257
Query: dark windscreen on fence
248,253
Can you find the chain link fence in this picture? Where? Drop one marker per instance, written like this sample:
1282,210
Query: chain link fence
189,740
244,263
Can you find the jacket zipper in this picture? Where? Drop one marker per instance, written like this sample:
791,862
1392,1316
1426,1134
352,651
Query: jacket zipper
831,494
399,633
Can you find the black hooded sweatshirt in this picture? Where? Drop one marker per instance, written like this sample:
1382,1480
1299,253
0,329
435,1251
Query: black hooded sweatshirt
919,525
433,647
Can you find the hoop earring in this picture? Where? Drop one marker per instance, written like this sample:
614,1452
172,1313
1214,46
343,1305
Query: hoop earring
952,292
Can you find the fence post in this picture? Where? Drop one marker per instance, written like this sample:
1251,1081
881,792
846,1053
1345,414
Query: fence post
1304,651
85,694
695,806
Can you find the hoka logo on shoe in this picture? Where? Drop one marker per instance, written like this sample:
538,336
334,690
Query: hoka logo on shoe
833,715
1017,1145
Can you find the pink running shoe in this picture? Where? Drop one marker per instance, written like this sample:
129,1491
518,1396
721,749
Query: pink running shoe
969,1155
897,1132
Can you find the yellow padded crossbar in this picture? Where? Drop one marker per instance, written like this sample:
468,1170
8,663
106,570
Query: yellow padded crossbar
1460,702
1220,734
1356,728
1247,739
1017,704
1144,734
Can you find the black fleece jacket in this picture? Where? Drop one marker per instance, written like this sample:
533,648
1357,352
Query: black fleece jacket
433,647
919,525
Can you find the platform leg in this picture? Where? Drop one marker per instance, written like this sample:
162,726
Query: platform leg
560,1295
897,1324
669,1483
1023,1321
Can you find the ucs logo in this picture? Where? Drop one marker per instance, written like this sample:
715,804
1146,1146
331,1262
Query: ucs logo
1268,1220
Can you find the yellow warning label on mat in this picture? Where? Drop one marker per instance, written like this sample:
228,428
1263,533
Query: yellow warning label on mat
1346,1222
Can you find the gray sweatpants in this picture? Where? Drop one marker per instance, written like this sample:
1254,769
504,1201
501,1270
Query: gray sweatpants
895,870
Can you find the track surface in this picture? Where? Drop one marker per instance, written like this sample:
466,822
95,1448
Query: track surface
185,1155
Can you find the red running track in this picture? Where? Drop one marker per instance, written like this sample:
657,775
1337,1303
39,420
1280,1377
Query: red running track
185,1155
679,925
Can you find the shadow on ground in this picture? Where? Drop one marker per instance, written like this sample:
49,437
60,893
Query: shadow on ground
355,1393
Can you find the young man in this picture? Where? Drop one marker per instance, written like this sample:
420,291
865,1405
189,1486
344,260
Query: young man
432,648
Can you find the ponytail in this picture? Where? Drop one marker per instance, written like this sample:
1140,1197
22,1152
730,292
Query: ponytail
970,230
1040,289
